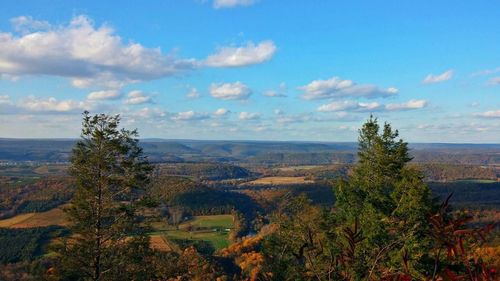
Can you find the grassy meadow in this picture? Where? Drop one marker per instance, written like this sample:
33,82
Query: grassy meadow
213,230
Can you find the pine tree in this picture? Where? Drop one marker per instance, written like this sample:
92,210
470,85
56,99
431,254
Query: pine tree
109,170
388,200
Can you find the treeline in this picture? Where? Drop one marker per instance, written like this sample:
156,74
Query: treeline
462,156
312,172
450,172
25,244
204,171
35,196
433,172
470,195
179,197
309,158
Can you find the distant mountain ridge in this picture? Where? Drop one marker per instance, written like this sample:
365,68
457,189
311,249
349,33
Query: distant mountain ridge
265,152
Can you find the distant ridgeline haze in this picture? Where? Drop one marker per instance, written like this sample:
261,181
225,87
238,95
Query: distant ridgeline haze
251,152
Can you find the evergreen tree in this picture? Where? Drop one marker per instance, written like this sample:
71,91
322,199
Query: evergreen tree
388,200
109,169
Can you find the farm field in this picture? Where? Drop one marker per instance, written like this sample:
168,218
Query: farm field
158,242
213,230
42,219
280,181
298,168
33,171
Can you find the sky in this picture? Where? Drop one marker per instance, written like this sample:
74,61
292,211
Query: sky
252,69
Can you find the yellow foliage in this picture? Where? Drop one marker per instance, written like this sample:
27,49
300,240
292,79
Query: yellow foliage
491,255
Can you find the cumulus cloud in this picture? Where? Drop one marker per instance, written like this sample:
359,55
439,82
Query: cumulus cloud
337,88
83,52
230,91
349,105
249,115
137,97
289,119
409,105
494,81
51,104
370,106
147,113
242,56
221,112
489,114
193,93
280,93
338,116
430,78
104,95
189,116
218,4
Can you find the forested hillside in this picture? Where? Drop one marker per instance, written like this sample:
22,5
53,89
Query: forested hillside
248,210
256,152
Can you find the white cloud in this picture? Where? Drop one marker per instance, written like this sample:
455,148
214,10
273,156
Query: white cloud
148,113
218,4
230,91
337,88
370,106
289,119
494,81
189,115
274,94
409,105
25,24
104,95
193,93
338,116
86,54
137,97
242,56
489,114
249,115
429,79
486,72
5,99
221,112
280,93
349,105
6,105
51,104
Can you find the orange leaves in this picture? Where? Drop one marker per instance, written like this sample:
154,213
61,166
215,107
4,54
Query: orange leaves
246,245
251,263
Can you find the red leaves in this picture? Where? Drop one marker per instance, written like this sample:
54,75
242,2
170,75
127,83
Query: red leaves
452,234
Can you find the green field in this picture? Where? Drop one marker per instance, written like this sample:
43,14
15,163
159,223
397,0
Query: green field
298,168
213,230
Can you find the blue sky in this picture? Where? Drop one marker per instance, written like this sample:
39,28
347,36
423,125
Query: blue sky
253,69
